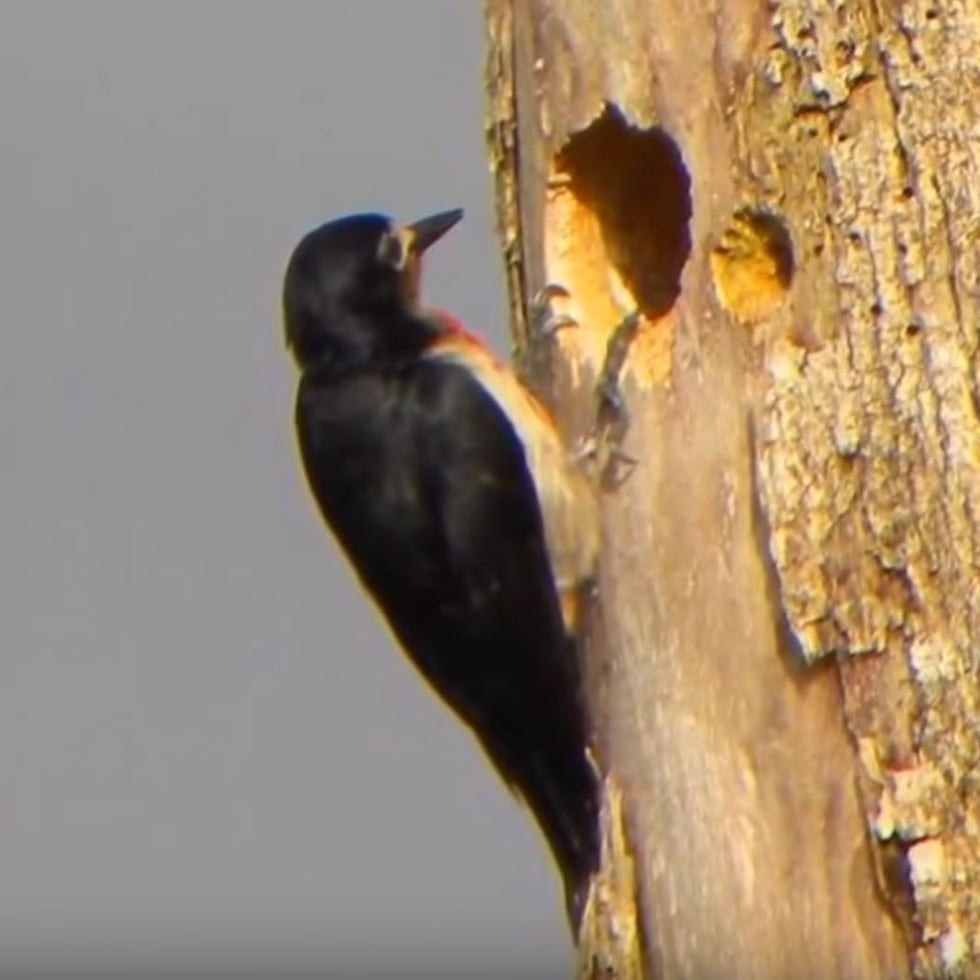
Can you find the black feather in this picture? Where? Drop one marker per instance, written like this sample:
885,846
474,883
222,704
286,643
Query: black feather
424,483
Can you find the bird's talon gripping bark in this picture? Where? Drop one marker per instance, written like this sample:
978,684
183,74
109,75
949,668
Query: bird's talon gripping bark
548,292
542,318
594,446
586,448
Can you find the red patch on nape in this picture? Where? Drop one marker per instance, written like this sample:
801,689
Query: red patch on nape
456,333
456,327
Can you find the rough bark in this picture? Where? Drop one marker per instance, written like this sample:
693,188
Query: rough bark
782,663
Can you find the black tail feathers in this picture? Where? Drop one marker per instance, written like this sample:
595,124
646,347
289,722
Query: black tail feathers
565,801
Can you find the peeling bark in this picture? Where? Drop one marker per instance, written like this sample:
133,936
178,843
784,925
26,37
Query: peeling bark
782,668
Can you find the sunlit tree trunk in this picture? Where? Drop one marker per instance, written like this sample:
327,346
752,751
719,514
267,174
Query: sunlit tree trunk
782,662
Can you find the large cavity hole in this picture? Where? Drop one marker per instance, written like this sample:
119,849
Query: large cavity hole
618,232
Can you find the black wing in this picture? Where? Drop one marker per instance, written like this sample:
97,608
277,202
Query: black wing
425,484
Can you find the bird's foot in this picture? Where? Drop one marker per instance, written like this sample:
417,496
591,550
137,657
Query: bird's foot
612,464
542,319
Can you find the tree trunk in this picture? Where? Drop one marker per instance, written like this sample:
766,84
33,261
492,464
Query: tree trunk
782,666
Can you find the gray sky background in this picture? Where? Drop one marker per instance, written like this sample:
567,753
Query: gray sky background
210,751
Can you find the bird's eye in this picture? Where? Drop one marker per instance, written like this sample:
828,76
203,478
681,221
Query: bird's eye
391,250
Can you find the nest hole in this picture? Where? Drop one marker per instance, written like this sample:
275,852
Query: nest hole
617,227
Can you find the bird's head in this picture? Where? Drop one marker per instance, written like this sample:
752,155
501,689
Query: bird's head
352,285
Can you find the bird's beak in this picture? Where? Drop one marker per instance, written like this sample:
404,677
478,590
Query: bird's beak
427,231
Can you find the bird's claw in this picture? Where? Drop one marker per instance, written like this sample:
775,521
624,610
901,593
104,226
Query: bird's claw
590,447
548,292
542,318
604,457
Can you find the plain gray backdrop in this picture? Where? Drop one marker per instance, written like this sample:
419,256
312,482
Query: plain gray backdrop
210,751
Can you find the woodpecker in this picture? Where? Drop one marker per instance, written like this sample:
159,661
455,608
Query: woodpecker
449,489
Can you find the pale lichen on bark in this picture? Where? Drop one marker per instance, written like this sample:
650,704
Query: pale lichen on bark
868,439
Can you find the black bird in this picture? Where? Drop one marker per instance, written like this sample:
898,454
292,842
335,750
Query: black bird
449,489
